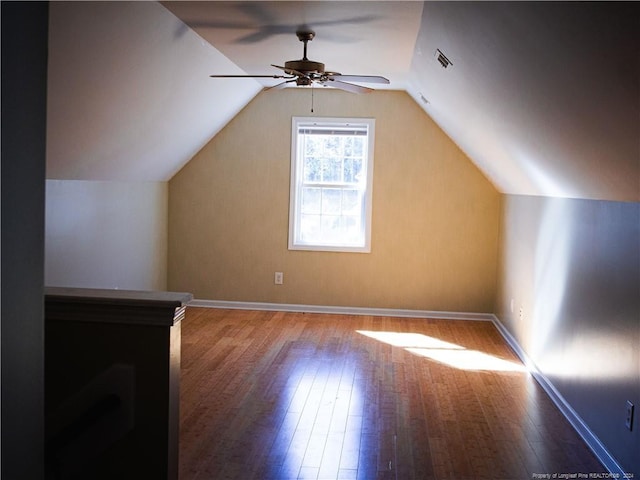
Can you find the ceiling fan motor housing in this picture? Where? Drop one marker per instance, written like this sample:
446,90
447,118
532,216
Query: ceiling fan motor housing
304,66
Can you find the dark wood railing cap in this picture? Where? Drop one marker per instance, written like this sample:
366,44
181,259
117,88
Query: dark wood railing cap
136,307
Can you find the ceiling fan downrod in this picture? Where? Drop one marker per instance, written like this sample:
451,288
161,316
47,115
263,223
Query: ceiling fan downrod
305,36
305,69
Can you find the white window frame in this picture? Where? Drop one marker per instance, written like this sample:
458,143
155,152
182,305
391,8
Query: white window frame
365,186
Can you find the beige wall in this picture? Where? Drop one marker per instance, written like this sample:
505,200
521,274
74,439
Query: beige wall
434,228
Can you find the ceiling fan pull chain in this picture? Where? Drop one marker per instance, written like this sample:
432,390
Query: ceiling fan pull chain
312,98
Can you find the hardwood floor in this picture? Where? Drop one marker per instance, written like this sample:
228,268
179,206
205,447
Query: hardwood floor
272,395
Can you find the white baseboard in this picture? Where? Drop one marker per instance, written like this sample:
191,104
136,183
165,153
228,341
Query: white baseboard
379,312
592,441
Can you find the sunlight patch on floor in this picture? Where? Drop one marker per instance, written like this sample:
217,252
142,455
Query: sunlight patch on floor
443,352
324,422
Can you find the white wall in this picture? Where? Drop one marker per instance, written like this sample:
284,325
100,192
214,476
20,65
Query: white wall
106,234
568,288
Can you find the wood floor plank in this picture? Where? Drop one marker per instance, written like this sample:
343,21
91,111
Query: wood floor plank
280,395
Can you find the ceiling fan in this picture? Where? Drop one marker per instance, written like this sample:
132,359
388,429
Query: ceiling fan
306,72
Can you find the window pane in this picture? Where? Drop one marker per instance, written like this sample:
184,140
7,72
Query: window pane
311,198
352,168
350,202
331,146
358,146
332,171
348,146
331,201
352,229
310,228
312,172
313,145
331,231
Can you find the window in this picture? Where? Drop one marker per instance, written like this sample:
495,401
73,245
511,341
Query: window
331,182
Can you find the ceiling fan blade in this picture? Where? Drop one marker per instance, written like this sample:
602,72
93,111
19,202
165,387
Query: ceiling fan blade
263,33
360,78
289,71
349,87
257,12
352,20
248,76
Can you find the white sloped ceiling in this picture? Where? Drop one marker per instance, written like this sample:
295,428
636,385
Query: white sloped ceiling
129,95
352,37
543,96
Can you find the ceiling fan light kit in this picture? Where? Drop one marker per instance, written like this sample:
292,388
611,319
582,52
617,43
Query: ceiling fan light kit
305,72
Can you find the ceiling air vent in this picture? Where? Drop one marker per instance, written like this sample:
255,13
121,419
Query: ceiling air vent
442,59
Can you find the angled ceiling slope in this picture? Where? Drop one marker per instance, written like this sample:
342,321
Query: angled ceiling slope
352,37
129,98
543,96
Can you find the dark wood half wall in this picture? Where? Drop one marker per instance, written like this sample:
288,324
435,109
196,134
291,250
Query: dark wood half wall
112,378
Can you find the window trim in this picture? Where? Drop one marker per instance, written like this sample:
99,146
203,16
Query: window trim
295,183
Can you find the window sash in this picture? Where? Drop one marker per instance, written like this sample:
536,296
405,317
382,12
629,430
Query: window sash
344,222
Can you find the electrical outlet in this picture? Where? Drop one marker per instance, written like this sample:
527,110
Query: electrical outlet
521,313
629,418
279,278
